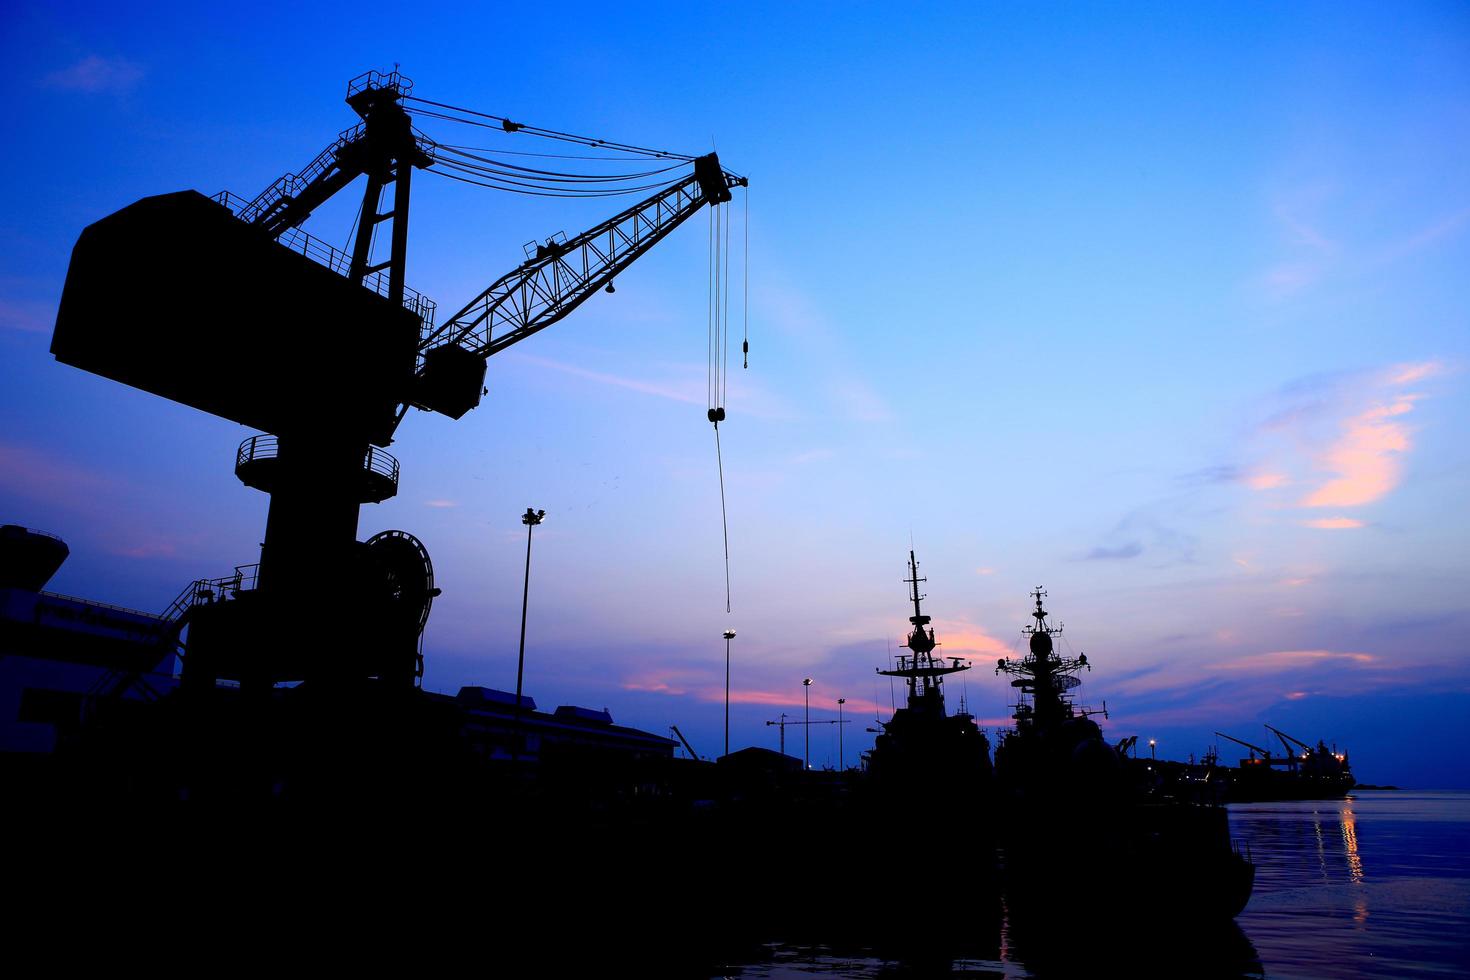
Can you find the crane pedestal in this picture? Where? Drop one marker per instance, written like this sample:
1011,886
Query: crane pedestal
325,609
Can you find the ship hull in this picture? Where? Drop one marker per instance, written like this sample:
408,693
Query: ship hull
1168,861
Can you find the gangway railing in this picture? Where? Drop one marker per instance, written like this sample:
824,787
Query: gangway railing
207,590
117,682
284,190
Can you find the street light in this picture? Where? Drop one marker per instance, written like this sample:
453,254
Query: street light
806,729
1151,744
530,518
841,759
729,635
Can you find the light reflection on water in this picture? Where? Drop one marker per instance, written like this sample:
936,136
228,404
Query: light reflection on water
1388,894
1376,885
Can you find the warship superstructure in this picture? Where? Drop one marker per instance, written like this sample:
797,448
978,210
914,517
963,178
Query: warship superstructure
922,750
1075,811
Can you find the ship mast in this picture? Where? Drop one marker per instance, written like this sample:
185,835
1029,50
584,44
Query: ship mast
1043,674
922,670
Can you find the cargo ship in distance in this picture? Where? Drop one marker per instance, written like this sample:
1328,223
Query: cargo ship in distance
1300,772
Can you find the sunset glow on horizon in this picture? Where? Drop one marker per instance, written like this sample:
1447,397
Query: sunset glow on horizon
1162,310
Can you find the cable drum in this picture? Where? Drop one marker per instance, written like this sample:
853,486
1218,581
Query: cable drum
404,563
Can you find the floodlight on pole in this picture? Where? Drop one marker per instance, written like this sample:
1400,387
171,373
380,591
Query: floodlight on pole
841,758
530,518
729,635
806,729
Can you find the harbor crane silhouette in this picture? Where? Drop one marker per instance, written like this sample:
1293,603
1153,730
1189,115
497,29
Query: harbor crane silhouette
227,306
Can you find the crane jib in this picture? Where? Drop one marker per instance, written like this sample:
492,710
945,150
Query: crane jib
543,290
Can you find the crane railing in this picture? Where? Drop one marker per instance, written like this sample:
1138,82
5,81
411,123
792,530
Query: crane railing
259,452
338,261
285,189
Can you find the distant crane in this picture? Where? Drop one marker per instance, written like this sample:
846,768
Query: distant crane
1265,753
781,724
1287,741
687,747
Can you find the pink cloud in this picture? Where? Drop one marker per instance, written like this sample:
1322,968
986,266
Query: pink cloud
1334,523
1289,277
26,316
686,393
1445,227
37,475
664,680
1266,481
1279,660
152,549
780,699
1367,459
1407,374
961,638
96,74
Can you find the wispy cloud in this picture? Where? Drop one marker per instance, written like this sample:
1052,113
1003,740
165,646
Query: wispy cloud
1130,550
791,312
1279,660
686,392
442,504
1213,475
26,316
150,549
686,386
1155,531
1341,440
1407,374
95,73
858,400
1436,231
665,680
1308,249
1367,459
1334,523
1266,481
38,475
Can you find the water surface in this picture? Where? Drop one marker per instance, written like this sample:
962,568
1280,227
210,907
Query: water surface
1375,885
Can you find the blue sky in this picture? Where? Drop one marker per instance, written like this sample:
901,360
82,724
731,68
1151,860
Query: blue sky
1162,309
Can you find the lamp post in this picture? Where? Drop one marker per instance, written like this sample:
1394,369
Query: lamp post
1151,744
806,729
530,518
841,758
729,635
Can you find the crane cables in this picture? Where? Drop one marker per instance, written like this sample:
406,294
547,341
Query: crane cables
718,360
457,114
627,163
